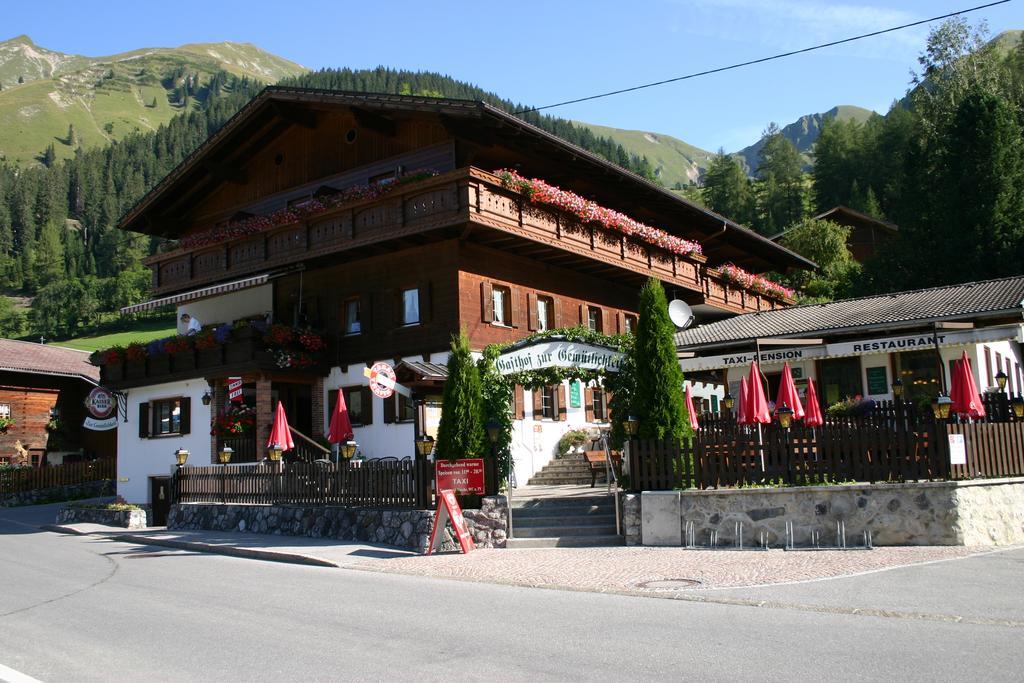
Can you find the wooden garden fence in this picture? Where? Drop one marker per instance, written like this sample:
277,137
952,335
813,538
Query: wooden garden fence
21,479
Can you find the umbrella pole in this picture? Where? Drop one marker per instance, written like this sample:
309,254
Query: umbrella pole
760,446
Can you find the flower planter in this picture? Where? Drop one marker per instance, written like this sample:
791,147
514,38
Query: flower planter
210,358
112,372
159,364
240,351
184,361
135,369
244,333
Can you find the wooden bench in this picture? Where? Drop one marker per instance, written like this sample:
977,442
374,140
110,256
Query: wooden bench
597,460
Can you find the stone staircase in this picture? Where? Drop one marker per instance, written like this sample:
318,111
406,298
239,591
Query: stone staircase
564,522
569,469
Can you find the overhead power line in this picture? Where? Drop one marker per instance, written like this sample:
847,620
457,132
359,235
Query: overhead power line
763,59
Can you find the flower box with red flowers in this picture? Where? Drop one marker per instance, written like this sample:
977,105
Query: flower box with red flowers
177,345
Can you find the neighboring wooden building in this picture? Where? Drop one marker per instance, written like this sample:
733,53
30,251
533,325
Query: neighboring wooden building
397,265
40,384
867,233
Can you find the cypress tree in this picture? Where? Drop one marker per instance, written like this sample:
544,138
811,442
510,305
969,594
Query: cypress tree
461,432
658,401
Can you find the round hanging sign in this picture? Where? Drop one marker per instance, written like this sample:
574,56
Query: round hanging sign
100,403
382,380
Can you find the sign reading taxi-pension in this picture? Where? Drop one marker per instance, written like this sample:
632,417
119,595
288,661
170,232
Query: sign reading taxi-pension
554,353
464,476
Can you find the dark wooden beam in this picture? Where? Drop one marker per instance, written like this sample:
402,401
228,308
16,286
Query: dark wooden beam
307,118
375,122
470,131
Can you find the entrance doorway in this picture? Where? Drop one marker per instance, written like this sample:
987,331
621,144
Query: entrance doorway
160,499
298,404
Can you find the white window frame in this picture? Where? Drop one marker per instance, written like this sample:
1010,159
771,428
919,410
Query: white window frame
411,306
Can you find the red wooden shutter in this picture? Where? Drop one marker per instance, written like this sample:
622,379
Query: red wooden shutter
608,404
531,312
515,307
589,403
538,405
561,408
185,415
143,420
583,315
555,309
620,323
425,301
486,302
518,409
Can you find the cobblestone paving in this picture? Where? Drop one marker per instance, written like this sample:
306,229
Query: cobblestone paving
627,569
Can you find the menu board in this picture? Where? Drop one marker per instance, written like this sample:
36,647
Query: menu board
878,381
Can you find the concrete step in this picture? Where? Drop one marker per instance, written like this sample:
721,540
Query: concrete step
559,480
562,504
561,531
596,518
566,542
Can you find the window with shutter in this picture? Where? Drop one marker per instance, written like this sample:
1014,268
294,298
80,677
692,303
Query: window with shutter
518,409
426,301
185,421
389,410
532,311
367,406
589,404
538,404
561,404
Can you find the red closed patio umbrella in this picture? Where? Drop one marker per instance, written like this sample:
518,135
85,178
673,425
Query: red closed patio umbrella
757,404
963,392
340,429
788,395
690,411
741,404
280,434
813,416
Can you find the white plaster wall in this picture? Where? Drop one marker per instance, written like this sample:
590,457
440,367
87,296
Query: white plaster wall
1006,349
228,307
705,391
138,459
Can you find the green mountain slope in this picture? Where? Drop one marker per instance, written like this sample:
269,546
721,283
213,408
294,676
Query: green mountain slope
804,132
674,160
106,98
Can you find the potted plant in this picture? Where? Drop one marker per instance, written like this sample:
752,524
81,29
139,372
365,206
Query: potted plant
180,350
6,423
111,362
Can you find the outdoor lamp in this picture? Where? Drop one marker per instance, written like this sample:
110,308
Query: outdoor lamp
631,425
785,414
728,401
225,455
941,405
897,388
424,445
1018,405
207,398
348,449
181,455
1001,380
274,452
493,430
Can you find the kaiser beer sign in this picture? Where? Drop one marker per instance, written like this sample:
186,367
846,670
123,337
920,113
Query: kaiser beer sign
101,405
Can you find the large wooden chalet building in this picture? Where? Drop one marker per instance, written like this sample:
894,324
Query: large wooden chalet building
311,208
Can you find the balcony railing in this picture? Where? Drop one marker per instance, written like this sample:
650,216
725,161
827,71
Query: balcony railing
466,195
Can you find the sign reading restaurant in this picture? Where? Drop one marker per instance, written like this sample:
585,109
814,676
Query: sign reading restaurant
862,347
552,353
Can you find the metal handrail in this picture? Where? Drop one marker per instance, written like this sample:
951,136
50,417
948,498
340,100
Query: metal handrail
611,478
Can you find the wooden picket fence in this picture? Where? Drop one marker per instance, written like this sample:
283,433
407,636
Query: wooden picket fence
725,454
21,479
382,483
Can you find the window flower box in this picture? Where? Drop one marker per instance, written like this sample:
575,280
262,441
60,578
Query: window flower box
183,361
210,358
135,369
159,364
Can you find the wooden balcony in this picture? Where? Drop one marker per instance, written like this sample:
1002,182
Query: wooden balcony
244,353
466,203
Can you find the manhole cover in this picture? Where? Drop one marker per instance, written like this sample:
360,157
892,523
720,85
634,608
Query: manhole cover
669,584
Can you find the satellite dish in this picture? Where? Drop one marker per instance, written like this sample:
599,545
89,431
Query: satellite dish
680,314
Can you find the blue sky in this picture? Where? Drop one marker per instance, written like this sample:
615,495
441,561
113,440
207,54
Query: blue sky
545,52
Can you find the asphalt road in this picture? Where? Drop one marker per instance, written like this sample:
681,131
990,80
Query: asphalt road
84,608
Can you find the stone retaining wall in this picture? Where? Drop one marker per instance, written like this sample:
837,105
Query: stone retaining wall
409,529
127,519
55,494
984,512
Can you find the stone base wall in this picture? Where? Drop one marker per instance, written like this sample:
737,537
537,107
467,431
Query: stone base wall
408,529
928,513
127,519
56,494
